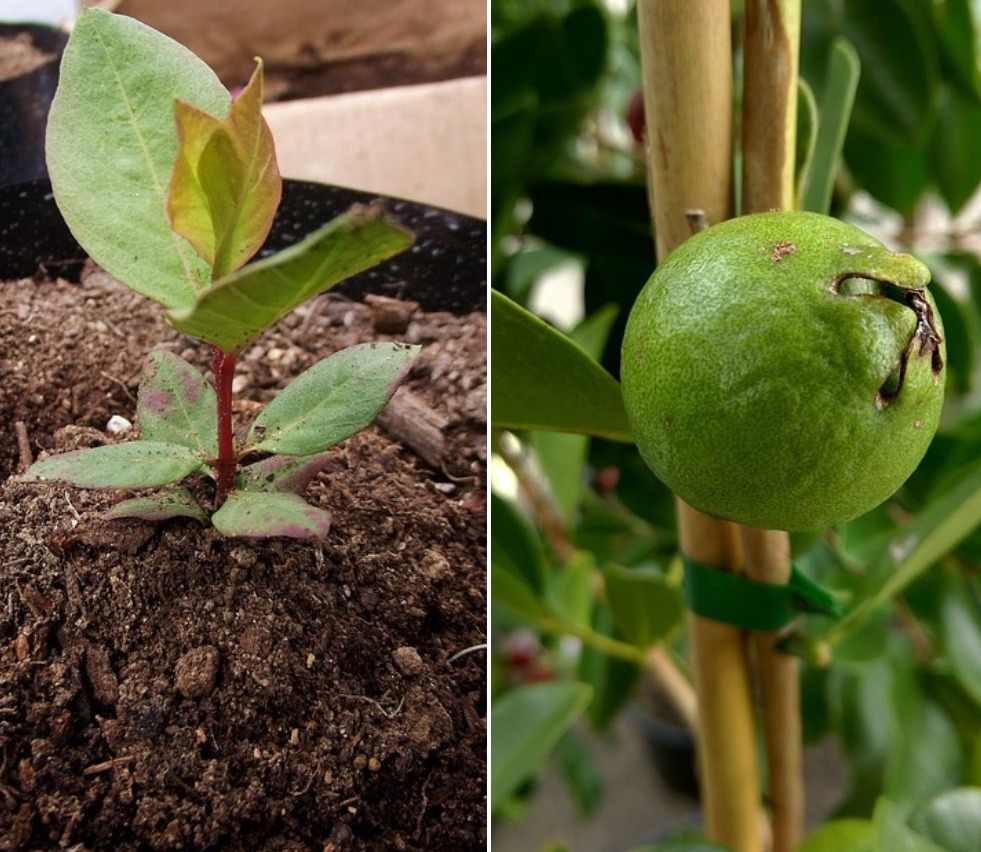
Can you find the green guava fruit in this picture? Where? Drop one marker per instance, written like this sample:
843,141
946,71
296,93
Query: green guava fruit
784,370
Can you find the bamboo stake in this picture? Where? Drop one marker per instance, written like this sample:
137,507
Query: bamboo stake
686,54
771,47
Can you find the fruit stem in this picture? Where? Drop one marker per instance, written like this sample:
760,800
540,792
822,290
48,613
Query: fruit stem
771,46
223,367
686,55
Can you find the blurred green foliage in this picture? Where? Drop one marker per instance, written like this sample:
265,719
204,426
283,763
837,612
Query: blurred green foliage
896,129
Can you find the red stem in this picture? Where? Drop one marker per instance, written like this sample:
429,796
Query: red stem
223,367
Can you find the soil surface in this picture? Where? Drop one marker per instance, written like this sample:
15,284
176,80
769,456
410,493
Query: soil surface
164,688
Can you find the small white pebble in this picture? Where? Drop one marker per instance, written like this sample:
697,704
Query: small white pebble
118,425
32,339
274,354
239,384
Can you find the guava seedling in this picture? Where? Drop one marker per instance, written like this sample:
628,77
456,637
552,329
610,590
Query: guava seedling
784,370
171,186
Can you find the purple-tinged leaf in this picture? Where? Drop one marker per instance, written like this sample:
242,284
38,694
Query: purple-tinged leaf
282,473
240,307
225,186
177,406
336,398
137,464
173,503
250,514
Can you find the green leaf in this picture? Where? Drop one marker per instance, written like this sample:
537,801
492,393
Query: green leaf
844,70
952,820
545,381
897,174
612,679
111,147
960,622
177,406
808,127
562,456
225,186
948,519
570,591
174,503
281,473
241,306
515,545
644,606
843,835
580,773
926,755
959,28
954,149
897,93
137,464
693,844
528,723
512,592
248,514
336,398
895,835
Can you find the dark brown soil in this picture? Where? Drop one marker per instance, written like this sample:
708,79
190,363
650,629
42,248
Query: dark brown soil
164,688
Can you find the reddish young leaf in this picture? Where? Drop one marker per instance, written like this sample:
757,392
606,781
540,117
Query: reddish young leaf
225,186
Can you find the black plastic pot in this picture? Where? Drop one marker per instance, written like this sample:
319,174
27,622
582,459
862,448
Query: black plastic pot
24,103
672,750
445,270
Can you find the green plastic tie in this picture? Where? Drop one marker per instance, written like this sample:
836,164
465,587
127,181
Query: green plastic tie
751,605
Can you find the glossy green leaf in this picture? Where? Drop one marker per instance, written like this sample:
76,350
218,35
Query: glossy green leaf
960,622
612,679
177,406
241,306
644,606
580,773
843,835
952,820
336,398
894,834
281,473
511,591
926,756
570,591
900,74
544,381
515,545
954,149
136,464
959,28
173,503
838,97
111,147
528,723
247,514
932,533
225,186
896,174
560,455
808,127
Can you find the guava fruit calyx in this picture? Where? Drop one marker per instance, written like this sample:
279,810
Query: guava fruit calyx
925,339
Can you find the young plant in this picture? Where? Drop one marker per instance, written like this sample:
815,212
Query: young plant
172,186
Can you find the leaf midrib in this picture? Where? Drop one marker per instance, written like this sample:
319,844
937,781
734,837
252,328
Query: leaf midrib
178,248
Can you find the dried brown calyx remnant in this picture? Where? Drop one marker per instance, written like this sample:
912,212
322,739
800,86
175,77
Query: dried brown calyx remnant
925,338
781,250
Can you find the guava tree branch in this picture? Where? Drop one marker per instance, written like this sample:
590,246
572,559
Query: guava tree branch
686,54
655,660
